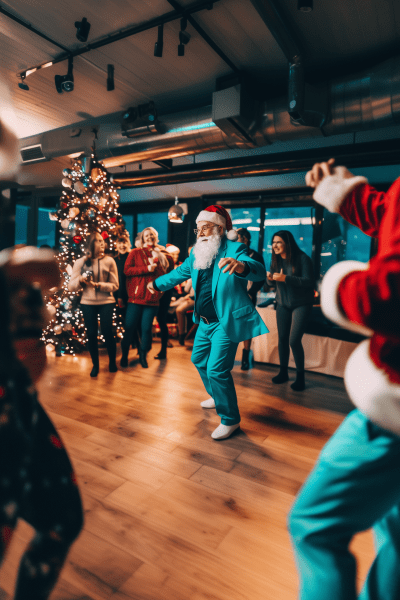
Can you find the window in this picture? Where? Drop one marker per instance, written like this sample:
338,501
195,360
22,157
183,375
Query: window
46,228
129,226
297,220
248,218
157,220
21,224
341,241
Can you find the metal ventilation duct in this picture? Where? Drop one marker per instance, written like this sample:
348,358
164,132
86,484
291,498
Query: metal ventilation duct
367,100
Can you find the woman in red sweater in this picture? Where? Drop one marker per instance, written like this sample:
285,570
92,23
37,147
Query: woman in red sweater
143,265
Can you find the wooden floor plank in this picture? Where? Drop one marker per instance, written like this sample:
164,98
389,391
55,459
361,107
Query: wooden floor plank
170,514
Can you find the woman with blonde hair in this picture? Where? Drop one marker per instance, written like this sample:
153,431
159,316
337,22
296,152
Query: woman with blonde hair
143,265
96,273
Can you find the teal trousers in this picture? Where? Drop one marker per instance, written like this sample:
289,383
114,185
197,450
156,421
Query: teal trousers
354,486
213,355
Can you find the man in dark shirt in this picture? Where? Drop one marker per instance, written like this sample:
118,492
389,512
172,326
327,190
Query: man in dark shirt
253,287
219,268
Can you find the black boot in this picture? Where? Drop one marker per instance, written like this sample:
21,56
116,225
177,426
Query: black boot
124,361
245,360
299,384
162,355
182,339
95,370
281,377
142,359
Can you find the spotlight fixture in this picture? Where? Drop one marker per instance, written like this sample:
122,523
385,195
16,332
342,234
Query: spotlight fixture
82,29
110,78
158,48
184,37
141,120
177,212
305,5
23,85
65,83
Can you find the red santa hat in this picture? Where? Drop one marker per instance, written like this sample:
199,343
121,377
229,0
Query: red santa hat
220,216
171,248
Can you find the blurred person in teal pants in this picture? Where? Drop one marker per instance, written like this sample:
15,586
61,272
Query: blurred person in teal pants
355,484
219,268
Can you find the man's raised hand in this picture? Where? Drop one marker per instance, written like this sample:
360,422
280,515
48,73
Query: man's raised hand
232,265
319,172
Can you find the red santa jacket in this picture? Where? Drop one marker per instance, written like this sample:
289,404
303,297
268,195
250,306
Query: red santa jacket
366,298
138,275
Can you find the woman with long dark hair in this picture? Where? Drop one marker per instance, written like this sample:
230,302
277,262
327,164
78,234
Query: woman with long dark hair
292,275
97,274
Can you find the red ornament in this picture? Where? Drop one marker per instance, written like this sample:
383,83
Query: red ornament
64,205
104,235
77,239
113,219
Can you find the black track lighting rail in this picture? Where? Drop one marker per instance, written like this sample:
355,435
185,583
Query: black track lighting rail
116,37
206,37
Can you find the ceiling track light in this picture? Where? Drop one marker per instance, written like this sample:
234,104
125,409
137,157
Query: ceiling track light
158,47
305,5
82,29
65,83
184,37
110,78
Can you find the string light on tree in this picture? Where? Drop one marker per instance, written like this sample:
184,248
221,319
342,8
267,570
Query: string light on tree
89,202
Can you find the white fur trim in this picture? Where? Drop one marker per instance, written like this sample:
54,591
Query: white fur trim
212,217
232,235
333,189
371,390
330,298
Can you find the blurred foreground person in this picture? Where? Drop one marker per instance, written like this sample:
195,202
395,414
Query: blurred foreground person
355,484
37,482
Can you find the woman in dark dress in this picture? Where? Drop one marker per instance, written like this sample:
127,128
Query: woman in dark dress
292,275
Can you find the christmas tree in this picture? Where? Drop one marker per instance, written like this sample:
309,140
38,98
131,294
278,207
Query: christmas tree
89,203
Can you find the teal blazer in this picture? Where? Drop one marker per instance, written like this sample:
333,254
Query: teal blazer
234,309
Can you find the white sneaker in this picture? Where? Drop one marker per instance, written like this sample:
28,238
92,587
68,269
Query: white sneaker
209,403
224,431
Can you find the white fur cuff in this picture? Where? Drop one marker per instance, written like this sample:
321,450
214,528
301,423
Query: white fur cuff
371,390
333,189
330,295
212,217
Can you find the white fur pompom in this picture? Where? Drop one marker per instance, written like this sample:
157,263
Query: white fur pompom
232,235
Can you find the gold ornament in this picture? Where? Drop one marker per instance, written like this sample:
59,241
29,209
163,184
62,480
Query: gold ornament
73,212
96,174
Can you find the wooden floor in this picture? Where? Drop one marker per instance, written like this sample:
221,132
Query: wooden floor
171,514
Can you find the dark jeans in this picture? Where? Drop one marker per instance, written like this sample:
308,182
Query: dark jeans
162,313
90,317
291,326
138,314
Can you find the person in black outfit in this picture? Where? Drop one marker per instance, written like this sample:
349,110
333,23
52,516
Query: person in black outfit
123,245
253,287
292,274
163,307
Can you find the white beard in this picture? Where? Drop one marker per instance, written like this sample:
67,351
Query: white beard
206,252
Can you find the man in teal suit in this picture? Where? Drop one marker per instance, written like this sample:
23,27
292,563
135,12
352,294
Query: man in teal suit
219,268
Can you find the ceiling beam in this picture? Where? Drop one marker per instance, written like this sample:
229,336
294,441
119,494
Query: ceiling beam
363,155
206,38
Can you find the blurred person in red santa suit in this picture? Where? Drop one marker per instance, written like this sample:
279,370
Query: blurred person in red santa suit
37,481
355,484
143,265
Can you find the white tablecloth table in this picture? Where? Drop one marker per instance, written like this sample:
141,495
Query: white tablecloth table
322,354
